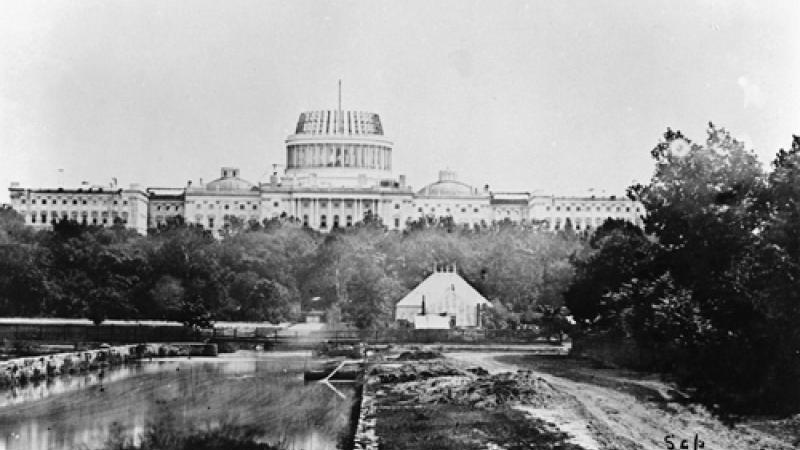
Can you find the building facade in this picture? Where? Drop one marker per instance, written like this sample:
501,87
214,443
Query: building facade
338,169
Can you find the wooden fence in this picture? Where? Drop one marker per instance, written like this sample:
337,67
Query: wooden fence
133,333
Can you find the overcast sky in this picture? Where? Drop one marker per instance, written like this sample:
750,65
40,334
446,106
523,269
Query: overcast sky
557,96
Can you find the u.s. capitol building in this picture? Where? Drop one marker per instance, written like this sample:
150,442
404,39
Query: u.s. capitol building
338,168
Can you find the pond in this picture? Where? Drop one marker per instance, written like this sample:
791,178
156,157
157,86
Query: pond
247,388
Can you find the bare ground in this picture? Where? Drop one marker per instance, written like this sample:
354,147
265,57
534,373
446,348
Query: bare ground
612,409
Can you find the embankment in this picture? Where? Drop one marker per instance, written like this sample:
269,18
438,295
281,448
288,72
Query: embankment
19,371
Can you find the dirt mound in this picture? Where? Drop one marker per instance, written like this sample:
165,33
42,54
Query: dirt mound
419,355
413,372
485,392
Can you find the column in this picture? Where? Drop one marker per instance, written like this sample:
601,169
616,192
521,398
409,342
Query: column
312,221
357,206
342,221
330,213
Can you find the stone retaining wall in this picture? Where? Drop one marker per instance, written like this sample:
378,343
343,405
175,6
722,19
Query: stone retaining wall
18,371
366,437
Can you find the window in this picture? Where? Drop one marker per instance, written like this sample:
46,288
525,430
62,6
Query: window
227,207
349,221
33,218
598,208
44,202
475,210
397,206
305,219
336,221
627,209
116,202
567,208
44,217
577,208
241,206
211,223
396,222
211,206
275,204
323,221
547,208
64,202
463,210
618,209
158,208
558,208
255,207
124,202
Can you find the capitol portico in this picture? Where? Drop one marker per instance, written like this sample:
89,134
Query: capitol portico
338,168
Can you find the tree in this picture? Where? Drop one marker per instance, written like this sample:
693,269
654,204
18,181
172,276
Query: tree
618,252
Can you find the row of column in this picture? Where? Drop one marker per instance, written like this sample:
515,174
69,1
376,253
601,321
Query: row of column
317,207
347,155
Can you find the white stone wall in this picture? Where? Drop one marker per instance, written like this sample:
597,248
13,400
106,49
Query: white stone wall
585,213
209,208
92,206
464,210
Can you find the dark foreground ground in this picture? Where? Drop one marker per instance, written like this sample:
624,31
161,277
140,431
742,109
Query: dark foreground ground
518,401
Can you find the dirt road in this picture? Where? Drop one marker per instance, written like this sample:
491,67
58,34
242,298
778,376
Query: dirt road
606,409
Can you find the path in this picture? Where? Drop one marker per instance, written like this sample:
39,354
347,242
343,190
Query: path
604,410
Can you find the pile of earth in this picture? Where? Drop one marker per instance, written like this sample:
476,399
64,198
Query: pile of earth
419,355
402,373
484,392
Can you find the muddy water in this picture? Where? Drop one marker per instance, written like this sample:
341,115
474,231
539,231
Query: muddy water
249,388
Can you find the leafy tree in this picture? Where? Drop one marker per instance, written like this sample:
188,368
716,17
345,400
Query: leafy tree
617,252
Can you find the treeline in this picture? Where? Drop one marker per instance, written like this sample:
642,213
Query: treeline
272,271
711,286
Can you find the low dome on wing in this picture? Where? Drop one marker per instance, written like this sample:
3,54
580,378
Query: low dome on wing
448,186
230,181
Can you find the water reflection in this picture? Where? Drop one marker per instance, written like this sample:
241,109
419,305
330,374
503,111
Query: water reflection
247,388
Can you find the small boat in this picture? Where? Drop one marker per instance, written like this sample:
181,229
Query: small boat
335,370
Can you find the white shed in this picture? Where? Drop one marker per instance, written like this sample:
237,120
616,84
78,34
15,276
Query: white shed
442,294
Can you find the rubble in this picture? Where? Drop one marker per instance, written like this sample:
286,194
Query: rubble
448,385
401,373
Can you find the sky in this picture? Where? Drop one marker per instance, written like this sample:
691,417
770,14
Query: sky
555,97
